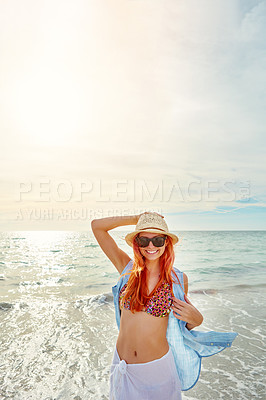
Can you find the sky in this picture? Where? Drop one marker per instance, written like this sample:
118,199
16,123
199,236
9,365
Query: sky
118,107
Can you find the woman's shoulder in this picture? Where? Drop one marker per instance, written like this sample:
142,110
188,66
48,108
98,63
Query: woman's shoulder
183,278
127,267
178,271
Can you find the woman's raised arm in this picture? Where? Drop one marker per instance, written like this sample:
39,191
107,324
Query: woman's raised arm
100,228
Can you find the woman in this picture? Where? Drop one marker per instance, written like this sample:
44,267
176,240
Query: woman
155,357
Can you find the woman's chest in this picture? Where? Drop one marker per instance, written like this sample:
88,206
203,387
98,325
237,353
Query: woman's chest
158,305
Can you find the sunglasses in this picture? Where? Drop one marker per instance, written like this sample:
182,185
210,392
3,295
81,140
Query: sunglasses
143,241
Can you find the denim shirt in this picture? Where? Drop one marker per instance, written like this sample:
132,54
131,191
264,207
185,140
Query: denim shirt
188,346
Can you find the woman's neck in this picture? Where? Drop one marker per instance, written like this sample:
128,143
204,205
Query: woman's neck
153,268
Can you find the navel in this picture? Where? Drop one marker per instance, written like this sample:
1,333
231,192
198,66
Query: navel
135,353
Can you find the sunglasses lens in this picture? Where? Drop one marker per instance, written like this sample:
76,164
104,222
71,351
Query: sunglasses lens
143,241
158,241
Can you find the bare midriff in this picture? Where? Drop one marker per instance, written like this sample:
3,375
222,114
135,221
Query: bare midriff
142,337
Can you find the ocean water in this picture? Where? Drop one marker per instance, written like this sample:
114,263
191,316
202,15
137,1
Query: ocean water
57,322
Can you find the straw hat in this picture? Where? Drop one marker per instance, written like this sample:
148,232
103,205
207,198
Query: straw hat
153,223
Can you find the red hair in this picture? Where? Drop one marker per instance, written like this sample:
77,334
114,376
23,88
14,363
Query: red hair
137,287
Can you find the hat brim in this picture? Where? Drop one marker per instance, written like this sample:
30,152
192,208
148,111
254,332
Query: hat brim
130,236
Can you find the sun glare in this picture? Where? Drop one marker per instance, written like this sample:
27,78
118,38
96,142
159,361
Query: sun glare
48,107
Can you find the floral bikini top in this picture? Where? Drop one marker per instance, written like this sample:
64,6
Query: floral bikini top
159,304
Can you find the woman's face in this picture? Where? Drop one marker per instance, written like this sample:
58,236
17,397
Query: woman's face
151,252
